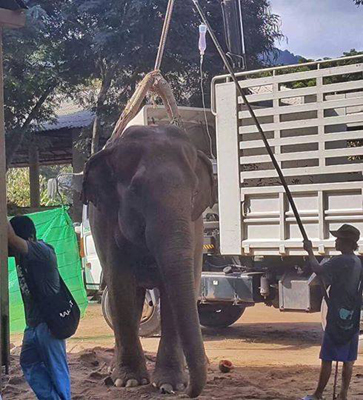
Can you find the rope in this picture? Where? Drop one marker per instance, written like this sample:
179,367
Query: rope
164,34
153,82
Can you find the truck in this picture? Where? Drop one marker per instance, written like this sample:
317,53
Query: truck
312,115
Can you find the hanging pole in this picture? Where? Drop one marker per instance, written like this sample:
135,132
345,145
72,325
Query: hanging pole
164,34
253,116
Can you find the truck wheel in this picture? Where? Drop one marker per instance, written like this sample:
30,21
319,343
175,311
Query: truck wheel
219,316
150,323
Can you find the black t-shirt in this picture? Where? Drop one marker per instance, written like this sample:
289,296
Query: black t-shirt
343,273
41,265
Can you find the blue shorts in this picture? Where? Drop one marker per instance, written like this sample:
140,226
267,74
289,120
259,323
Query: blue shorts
345,353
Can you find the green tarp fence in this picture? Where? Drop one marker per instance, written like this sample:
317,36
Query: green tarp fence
54,227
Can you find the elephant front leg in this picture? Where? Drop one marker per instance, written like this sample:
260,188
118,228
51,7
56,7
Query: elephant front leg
170,373
126,302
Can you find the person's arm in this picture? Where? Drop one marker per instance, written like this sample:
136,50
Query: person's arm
15,242
314,263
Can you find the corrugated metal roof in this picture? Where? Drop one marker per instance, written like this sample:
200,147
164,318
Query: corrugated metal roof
13,4
69,115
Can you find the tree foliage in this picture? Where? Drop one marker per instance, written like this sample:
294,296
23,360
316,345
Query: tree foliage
96,51
36,73
18,186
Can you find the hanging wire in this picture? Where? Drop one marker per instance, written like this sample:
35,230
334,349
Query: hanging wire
205,109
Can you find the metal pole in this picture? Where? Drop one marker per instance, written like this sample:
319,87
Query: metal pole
164,34
253,116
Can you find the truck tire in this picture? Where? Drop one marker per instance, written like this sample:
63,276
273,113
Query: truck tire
150,324
219,316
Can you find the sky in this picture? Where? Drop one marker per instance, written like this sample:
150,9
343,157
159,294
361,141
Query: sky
320,28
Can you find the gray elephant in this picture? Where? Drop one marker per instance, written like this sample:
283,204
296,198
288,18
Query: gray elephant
148,190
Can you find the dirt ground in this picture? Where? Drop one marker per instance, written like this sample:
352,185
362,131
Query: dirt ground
275,357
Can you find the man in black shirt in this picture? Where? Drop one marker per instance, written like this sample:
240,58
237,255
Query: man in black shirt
343,274
43,357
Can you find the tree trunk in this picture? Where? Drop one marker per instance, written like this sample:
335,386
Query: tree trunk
34,176
106,83
14,142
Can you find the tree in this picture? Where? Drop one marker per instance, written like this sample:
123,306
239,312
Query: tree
97,51
358,2
36,73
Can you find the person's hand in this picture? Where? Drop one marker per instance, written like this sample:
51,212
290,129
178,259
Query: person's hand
308,246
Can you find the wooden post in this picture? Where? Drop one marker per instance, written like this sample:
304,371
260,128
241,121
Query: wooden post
9,19
4,290
78,162
34,176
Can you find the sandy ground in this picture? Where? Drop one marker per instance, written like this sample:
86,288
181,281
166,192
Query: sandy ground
275,357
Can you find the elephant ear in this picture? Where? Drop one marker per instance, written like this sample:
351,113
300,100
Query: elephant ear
98,182
205,195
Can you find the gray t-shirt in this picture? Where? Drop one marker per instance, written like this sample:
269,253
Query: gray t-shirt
41,265
343,273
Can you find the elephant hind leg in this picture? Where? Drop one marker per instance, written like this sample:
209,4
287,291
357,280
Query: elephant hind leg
170,373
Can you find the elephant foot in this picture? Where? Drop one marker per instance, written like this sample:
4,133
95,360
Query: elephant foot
169,380
130,377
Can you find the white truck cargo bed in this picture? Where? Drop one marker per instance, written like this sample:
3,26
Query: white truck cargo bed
312,115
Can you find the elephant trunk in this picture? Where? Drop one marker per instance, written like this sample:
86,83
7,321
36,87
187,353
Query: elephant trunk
175,257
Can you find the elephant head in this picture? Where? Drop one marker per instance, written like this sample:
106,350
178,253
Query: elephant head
160,185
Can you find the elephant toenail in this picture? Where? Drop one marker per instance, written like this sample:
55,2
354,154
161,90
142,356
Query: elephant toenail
166,388
180,387
132,383
118,383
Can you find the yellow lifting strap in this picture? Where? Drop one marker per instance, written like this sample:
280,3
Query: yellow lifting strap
153,82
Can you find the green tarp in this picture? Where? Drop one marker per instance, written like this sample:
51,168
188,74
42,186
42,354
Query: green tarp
54,227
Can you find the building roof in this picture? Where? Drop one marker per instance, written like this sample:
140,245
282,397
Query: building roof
57,136
68,116
13,5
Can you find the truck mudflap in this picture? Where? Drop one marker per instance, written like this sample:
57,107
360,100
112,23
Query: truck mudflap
236,288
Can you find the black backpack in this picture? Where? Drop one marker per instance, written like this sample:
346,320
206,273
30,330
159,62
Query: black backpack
59,310
343,320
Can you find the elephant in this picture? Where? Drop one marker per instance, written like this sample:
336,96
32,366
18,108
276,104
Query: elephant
148,189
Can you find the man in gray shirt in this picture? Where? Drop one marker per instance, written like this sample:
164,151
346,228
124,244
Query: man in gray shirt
43,357
343,274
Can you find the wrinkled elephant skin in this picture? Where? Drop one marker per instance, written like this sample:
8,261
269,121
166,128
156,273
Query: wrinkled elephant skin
148,191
